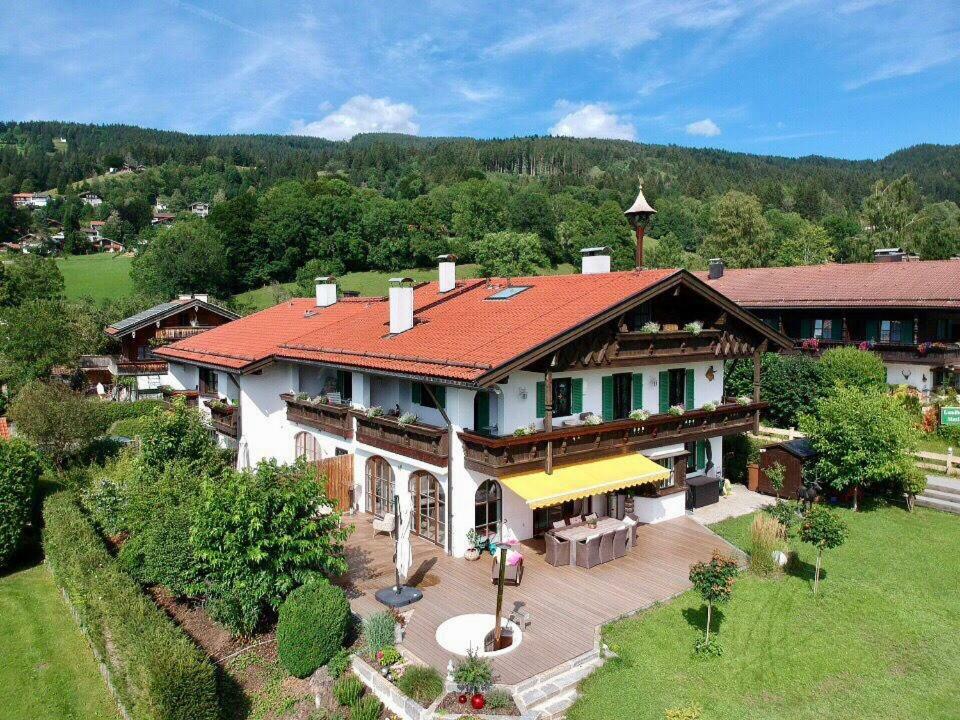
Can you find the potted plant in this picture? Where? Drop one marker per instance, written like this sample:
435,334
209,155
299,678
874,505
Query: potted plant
639,415
676,410
374,411
650,328
592,419
407,418
473,546
694,328
709,407
744,400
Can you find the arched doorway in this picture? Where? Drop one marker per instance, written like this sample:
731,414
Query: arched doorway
429,507
306,446
380,487
488,509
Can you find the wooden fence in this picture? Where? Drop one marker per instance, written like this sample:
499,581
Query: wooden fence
339,473
940,463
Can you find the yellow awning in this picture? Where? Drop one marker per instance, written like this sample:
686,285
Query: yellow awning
594,477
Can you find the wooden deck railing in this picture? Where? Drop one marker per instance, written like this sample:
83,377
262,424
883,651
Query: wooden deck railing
225,418
141,367
327,417
180,332
503,455
420,441
890,352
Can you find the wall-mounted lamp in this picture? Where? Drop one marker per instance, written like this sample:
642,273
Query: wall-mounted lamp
906,374
522,392
711,373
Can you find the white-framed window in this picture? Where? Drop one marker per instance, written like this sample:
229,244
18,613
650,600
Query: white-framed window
823,328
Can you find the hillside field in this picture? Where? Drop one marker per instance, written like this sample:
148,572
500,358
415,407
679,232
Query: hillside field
101,276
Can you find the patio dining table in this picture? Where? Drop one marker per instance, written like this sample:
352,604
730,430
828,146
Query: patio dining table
575,533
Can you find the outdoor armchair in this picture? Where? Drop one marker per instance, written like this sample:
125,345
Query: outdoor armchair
558,550
588,552
606,547
384,524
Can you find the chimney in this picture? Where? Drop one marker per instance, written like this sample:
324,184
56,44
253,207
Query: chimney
716,269
202,297
401,305
448,272
595,260
326,290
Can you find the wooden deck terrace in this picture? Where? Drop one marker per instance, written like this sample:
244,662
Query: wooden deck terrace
567,605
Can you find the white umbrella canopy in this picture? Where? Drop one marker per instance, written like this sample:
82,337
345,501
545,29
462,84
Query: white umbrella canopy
404,547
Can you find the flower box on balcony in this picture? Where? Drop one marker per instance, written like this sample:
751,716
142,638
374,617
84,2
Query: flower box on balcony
417,440
332,418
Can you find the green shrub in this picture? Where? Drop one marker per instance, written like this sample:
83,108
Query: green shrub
423,684
473,673
108,414
130,427
158,672
708,647
312,627
388,656
20,470
499,699
339,663
348,690
258,536
853,368
378,630
366,708
788,513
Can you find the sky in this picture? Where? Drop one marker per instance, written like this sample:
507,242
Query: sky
851,78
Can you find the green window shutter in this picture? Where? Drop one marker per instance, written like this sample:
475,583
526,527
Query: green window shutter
416,393
664,391
607,404
873,330
636,385
701,454
806,328
837,329
576,395
688,390
541,399
482,420
441,392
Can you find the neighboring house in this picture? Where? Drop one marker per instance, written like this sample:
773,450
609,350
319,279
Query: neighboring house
906,311
91,199
505,403
160,218
200,209
31,243
140,334
159,207
30,200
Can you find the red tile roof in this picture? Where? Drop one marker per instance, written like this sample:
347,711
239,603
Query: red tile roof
460,335
932,283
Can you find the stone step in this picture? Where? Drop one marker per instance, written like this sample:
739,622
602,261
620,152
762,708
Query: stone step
558,705
586,658
940,495
539,696
943,484
935,504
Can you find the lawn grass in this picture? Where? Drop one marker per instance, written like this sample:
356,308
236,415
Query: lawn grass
936,444
101,276
879,641
371,283
47,670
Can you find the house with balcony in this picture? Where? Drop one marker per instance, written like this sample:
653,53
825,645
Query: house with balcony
497,405
141,334
905,310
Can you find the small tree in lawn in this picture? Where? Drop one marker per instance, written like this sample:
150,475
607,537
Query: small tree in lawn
822,528
714,581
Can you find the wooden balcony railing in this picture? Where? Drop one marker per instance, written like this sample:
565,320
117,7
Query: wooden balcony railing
503,455
428,443
190,396
225,418
327,417
666,344
141,367
180,332
889,351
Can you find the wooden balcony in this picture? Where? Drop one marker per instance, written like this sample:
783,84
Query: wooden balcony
934,353
225,418
326,417
636,347
141,367
504,455
172,333
420,441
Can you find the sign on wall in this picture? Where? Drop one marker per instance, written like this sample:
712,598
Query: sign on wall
950,416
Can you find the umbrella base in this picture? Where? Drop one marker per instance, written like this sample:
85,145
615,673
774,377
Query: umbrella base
391,597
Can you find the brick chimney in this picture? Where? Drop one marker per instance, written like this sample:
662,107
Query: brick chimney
716,269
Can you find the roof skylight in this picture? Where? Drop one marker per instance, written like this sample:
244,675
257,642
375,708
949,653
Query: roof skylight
509,292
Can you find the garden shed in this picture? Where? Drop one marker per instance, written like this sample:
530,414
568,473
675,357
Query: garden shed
792,455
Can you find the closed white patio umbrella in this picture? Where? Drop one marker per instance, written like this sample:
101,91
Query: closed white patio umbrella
400,594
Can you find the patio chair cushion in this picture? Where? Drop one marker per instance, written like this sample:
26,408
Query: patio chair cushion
559,524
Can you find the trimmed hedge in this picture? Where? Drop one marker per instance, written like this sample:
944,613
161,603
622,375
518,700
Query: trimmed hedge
108,413
20,470
157,671
312,627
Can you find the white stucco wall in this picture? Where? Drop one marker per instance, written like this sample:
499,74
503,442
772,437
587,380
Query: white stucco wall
183,377
914,375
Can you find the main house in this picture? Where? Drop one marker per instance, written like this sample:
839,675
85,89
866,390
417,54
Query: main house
141,334
489,405
905,310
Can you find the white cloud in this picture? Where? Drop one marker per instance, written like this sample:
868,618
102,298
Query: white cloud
703,128
362,114
594,121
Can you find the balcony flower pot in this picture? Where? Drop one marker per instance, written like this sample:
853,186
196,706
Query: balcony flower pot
471,554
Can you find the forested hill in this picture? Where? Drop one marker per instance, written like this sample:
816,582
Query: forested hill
32,158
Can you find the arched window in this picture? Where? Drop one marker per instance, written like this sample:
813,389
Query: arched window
487,508
306,446
379,486
429,507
